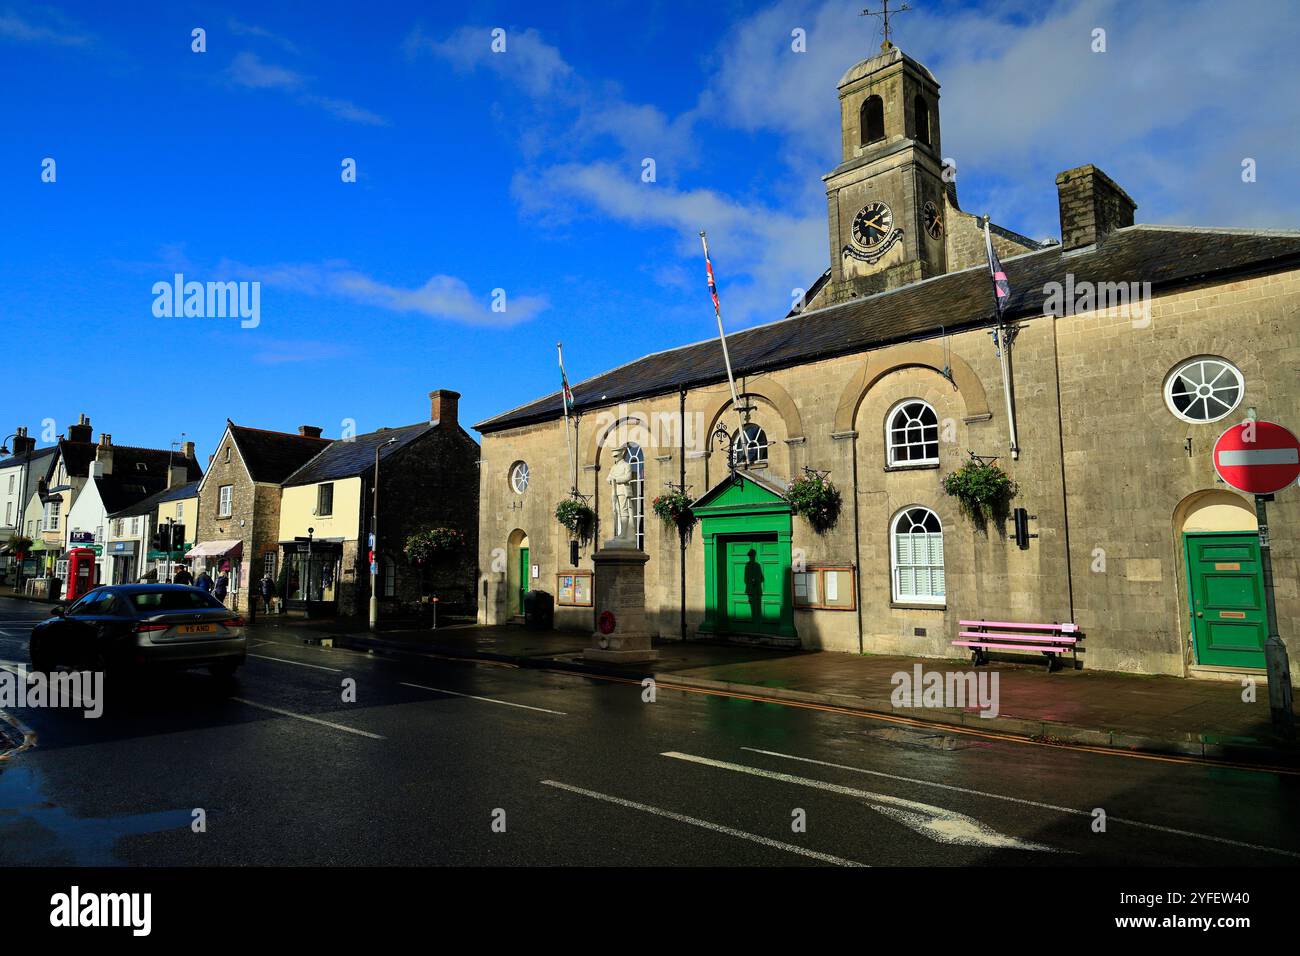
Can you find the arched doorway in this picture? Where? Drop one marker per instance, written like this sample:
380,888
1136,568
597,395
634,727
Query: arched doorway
518,573
1219,552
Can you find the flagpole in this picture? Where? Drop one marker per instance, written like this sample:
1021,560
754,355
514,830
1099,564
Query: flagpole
564,400
1004,353
722,336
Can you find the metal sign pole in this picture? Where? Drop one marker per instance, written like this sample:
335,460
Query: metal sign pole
1275,656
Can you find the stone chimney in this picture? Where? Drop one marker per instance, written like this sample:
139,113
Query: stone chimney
309,431
444,405
1092,205
22,443
104,455
187,449
80,431
177,474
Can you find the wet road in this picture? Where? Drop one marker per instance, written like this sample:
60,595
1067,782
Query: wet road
447,762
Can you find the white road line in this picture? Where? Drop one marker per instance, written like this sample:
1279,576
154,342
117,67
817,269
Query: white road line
490,700
935,823
705,824
313,720
285,660
1031,803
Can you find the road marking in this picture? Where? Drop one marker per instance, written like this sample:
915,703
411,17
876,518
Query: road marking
1030,803
936,823
705,824
313,720
285,660
490,700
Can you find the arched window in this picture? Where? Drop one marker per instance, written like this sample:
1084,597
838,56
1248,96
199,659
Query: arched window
636,458
519,477
916,556
871,119
921,113
750,445
912,434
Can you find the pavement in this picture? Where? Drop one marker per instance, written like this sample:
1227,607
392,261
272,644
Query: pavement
328,755
1152,714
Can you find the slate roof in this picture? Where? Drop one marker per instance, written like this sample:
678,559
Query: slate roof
356,456
37,454
274,456
120,493
139,473
147,505
77,456
1165,256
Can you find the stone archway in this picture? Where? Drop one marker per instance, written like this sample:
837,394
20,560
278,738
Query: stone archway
518,560
910,355
766,388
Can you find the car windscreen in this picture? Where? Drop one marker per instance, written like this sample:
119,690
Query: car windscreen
153,602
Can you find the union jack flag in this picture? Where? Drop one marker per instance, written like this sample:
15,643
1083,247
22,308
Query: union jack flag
1001,287
713,285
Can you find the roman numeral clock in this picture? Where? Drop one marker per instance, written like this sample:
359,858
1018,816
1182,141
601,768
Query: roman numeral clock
873,234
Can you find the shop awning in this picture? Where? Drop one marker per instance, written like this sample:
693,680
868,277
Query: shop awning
42,546
215,549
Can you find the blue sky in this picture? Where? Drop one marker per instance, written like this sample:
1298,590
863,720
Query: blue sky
521,171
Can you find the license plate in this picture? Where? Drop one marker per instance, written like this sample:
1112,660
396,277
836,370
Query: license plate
197,628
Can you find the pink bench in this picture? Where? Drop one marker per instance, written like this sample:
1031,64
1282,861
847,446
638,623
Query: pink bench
1052,640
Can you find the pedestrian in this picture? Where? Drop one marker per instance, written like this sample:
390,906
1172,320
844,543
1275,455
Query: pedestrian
267,587
183,576
222,587
204,581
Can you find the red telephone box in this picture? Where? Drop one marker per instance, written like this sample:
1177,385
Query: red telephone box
81,572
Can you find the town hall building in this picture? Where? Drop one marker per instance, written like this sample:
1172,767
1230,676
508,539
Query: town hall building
1135,346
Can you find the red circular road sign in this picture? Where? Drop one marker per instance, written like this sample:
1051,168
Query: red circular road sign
1257,457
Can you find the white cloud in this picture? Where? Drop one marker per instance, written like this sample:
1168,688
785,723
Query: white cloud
52,27
441,297
249,71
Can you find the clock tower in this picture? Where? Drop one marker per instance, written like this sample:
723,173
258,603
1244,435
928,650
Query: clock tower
888,202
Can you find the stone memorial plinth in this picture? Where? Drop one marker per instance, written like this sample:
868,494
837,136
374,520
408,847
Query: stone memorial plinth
622,634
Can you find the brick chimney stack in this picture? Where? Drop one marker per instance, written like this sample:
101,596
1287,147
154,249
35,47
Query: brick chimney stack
309,431
444,406
23,445
104,455
81,431
1092,205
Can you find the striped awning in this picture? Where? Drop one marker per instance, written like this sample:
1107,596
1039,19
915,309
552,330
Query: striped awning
215,549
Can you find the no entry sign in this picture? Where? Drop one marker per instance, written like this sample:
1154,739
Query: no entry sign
1257,457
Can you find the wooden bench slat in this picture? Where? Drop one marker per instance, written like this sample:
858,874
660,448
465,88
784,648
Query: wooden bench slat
1064,628
1018,637
1012,647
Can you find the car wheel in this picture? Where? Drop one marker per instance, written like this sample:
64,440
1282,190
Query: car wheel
42,662
225,669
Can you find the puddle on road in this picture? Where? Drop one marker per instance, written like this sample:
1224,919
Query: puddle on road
33,830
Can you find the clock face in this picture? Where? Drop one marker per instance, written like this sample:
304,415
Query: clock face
933,220
873,224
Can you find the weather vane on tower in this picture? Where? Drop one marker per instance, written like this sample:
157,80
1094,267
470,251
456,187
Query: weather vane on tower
883,13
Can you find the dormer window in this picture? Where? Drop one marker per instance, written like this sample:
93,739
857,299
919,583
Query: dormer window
921,113
871,120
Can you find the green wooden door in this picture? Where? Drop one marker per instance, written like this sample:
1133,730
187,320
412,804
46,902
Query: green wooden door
1227,591
525,578
753,586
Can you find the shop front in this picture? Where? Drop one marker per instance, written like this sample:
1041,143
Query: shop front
124,561
309,576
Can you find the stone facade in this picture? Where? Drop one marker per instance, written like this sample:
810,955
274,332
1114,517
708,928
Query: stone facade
1109,474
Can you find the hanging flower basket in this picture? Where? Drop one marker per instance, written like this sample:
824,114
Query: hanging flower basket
577,517
674,509
19,544
816,499
983,491
425,547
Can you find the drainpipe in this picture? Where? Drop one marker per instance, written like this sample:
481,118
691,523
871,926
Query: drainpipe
1065,499
681,470
857,542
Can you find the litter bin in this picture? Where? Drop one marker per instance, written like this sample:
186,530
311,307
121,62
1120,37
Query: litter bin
55,591
539,611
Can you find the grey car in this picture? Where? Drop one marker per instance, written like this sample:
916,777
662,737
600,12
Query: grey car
141,625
